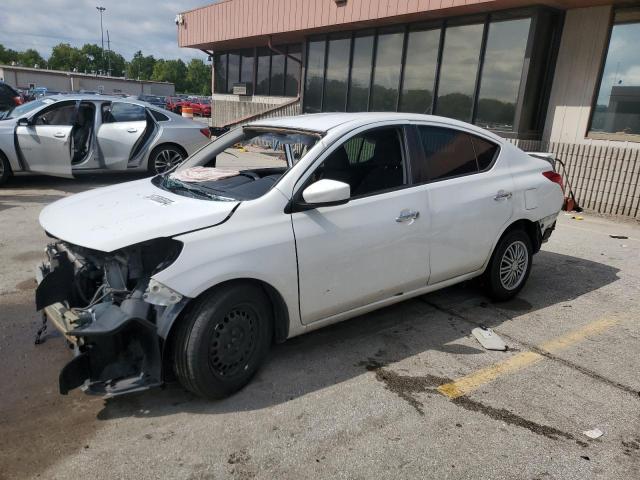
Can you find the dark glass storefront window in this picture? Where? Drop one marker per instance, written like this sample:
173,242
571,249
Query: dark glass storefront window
335,86
360,73
262,75
234,71
220,72
386,73
246,70
420,71
277,75
616,114
293,71
460,59
315,76
501,73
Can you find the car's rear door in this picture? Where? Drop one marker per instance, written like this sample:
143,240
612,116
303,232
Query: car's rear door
470,193
123,125
45,144
373,247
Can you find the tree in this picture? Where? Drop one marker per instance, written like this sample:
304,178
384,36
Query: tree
174,71
198,77
141,67
93,57
7,55
65,57
31,58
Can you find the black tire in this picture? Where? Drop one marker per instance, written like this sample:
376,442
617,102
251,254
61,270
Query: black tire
512,250
223,340
5,169
164,158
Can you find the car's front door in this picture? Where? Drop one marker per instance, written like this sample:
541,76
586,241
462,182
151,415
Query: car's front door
45,143
374,246
470,197
123,125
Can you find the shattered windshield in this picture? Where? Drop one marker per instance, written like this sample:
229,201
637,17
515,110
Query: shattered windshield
242,165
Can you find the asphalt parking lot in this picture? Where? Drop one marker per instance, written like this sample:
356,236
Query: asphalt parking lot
405,392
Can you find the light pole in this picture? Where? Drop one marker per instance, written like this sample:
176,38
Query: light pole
101,9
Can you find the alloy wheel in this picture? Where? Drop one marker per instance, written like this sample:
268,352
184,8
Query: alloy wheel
166,160
513,265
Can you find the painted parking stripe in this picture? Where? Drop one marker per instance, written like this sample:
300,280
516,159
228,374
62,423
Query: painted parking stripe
471,382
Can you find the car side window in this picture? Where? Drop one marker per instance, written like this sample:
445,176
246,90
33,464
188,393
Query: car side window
159,117
485,151
370,162
123,112
447,153
59,115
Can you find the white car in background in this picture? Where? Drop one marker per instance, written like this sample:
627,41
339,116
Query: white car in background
66,135
279,228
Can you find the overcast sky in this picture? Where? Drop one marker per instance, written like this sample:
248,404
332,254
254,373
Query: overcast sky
133,25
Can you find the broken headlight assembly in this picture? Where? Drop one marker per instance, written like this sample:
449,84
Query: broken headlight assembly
109,306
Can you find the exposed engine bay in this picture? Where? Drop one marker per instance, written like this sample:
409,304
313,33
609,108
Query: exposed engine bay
110,309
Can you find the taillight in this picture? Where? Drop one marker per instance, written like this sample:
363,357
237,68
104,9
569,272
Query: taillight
18,100
206,132
554,177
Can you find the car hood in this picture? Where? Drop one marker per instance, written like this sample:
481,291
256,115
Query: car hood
117,216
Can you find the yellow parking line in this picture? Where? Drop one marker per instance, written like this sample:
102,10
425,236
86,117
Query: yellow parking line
474,380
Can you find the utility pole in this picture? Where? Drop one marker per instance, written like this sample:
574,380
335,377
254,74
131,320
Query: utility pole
101,10
109,52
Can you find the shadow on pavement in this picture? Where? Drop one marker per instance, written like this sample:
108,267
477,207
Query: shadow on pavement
80,183
336,354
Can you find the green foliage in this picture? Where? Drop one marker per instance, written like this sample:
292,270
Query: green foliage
174,71
192,78
198,77
141,67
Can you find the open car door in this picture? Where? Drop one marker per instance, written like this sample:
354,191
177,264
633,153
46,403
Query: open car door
123,125
45,140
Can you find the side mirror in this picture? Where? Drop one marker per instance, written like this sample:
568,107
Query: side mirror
23,122
325,192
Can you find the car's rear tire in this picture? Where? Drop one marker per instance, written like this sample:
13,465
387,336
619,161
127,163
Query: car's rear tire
223,340
164,158
5,169
510,265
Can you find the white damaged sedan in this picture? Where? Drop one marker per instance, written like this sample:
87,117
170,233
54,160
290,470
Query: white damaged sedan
279,228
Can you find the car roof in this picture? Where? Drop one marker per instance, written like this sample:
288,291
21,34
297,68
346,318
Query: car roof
324,122
98,98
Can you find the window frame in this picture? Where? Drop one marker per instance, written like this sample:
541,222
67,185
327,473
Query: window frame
54,106
422,154
305,178
614,137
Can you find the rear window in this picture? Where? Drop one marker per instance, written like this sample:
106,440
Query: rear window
485,151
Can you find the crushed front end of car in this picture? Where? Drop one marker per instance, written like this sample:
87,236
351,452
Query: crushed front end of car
110,309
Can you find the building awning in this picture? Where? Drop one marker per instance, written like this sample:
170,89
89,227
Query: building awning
246,23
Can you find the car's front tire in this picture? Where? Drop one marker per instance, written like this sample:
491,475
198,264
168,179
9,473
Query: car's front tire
164,158
5,169
510,265
223,340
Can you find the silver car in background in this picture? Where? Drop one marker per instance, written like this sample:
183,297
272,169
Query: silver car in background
65,135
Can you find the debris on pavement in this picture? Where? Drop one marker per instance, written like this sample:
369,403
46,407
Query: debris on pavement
594,433
489,339
577,217
619,237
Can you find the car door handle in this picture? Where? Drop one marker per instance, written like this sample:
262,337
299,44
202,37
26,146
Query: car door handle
60,135
407,215
132,130
501,195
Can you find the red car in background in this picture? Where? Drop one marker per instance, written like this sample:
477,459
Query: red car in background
201,107
175,104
